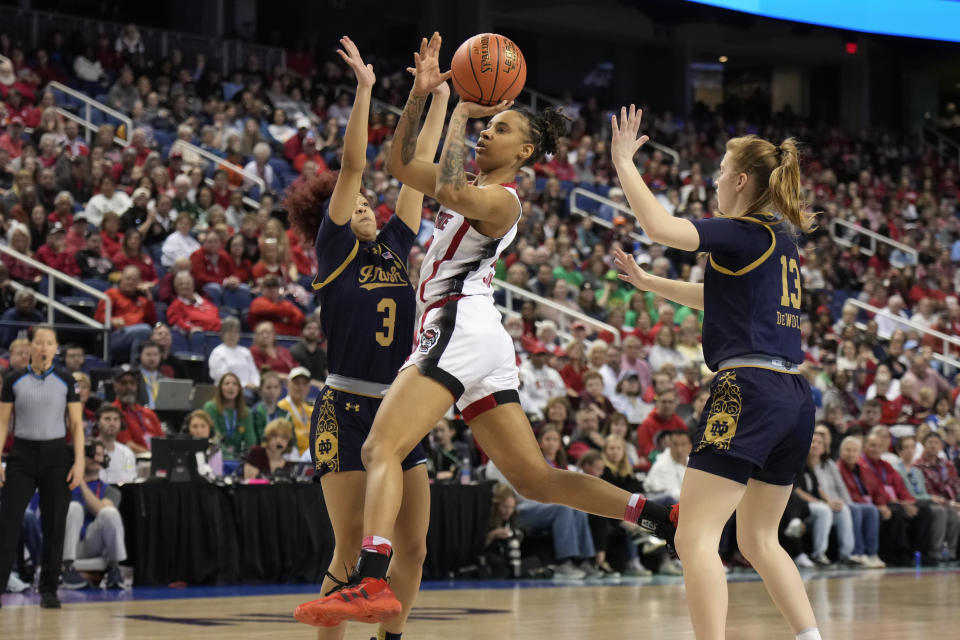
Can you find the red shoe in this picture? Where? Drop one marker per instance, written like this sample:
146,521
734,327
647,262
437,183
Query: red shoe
675,514
371,600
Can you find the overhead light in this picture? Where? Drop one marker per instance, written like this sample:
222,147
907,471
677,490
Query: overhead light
723,59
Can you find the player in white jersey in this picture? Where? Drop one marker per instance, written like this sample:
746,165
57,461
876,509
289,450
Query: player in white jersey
463,354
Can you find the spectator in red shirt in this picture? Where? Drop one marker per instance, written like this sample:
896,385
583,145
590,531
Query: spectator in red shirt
62,210
112,239
266,352
689,385
54,253
310,151
388,207
662,418
592,395
239,262
12,139
899,498
940,475
212,271
20,241
140,423
286,317
132,314
191,313
132,254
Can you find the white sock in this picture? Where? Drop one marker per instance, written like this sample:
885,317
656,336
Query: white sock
813,633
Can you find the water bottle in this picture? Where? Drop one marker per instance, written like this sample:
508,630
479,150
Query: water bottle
465,471
917,560
513,553
101,389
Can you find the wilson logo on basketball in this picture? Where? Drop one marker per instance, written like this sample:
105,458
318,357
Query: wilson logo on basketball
429,338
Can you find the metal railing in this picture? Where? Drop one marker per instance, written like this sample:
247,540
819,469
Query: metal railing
948,340
512,290
943,144
875,237
88,104
386,106
665,149
31,26
536,97
87,125
221,162
617,206
55,305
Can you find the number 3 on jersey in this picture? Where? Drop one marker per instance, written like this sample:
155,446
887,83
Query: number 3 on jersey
790,298
385,337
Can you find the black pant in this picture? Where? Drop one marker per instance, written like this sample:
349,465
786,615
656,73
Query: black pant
33,465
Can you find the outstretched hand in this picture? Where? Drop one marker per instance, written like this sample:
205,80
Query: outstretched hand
624,143
442,90
632,272
427,66
475,110
351,55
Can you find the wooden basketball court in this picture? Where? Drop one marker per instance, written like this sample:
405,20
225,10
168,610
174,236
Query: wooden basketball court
873,605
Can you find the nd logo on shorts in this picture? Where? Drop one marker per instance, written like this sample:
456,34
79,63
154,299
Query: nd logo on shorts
429,338
326,444
725,408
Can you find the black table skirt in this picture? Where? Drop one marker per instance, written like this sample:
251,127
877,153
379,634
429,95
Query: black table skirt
205,535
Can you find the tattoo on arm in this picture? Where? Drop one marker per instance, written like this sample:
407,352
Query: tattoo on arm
451,165
408,125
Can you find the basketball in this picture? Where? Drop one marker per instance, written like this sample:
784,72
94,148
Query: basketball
488,68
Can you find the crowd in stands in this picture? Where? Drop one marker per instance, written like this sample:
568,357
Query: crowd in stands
210,272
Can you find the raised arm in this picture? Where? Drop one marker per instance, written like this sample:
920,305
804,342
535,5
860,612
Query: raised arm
490,202
410,201
689,294
656,222
343,201
403,162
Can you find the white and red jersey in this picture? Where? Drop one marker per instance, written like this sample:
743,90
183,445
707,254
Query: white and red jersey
461,260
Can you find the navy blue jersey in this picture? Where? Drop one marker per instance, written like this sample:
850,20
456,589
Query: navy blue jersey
752,289
367,306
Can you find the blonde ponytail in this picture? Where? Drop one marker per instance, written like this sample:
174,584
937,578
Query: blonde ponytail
777,173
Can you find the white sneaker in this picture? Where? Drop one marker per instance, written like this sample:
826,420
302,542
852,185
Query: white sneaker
670,567
637,570
804,562
651,544
15,584
874,562
567,571
795,529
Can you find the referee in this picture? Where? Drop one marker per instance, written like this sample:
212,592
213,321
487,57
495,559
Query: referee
40,397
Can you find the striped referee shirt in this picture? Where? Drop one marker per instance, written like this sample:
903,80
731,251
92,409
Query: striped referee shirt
39,402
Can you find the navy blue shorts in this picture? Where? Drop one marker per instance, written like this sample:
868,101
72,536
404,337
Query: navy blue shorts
339,425
758,423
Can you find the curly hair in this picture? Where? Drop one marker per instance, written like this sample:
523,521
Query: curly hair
546,129
305,203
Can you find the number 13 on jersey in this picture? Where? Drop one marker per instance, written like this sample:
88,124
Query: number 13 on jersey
790,298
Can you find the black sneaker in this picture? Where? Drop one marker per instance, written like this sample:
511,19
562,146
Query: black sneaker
49,600
72,579
114,578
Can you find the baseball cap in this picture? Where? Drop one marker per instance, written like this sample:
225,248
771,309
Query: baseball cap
57,228
579,324
537,347
125,370
303,122
176,154
297,372
16,120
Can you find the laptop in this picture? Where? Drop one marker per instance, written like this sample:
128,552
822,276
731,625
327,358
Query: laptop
202,394
173,395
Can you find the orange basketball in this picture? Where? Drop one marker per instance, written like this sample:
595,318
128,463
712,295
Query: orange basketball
488,68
